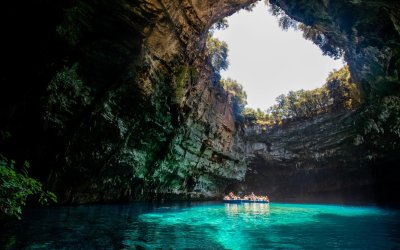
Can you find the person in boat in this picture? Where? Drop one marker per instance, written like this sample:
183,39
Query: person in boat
232,196
252,196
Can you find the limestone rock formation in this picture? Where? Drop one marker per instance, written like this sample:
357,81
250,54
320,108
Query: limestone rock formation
350,156
366,31
129,106
116,100
316,160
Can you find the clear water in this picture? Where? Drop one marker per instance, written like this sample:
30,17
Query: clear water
205,226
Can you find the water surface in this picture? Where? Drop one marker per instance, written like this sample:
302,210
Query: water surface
205,226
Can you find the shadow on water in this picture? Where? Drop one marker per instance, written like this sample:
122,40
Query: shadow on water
72,227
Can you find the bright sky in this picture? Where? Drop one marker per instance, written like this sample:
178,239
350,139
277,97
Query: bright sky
268,61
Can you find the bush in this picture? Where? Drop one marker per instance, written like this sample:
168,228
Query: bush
16,187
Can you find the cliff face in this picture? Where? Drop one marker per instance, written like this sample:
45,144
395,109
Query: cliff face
367,31
321,160
317,160
115,100
340,157
129,106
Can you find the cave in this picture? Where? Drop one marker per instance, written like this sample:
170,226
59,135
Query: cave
117,102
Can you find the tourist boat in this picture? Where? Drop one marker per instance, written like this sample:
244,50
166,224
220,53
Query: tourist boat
241,201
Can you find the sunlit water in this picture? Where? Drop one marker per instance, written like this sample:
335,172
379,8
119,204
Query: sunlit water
205,226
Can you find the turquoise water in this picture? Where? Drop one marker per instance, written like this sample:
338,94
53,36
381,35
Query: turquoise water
205,226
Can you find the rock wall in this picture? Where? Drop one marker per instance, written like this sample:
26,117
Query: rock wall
366,31
115,100
350,157
319,160
315,160
177,140
126,107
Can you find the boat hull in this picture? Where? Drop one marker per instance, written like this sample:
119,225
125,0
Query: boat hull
243,201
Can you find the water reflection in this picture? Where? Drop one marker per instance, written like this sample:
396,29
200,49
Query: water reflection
249,208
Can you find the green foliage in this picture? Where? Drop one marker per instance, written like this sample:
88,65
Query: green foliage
379,126
182,76
238,95
342,90
16,187
327,45
218,55
256,116
5,135
223,23
250,7
285,21
339,93
235,89
67,93
76,20
219,25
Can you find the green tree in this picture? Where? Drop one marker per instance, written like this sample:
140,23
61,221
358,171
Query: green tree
238,95
338,93
293,104
327,44
342,90
217,52
279,111
252,116
219,25
17,186
322,99
250,7
284,21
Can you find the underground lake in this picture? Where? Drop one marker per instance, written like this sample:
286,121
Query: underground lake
122,126
205,225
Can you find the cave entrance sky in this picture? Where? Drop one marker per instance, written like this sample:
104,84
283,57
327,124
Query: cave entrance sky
268,61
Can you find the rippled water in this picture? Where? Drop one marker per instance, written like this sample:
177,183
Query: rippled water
205,226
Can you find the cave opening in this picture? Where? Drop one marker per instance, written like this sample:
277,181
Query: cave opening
295,81
108,102
125,98
268,59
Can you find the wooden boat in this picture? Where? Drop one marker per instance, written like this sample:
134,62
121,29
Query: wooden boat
241,201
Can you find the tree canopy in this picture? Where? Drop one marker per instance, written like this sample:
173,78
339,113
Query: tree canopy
17,187
238,96
256,116
342,90
339,93
327,45
217,52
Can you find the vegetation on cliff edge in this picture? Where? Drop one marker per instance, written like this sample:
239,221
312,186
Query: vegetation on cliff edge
217,52
337,94
17,186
